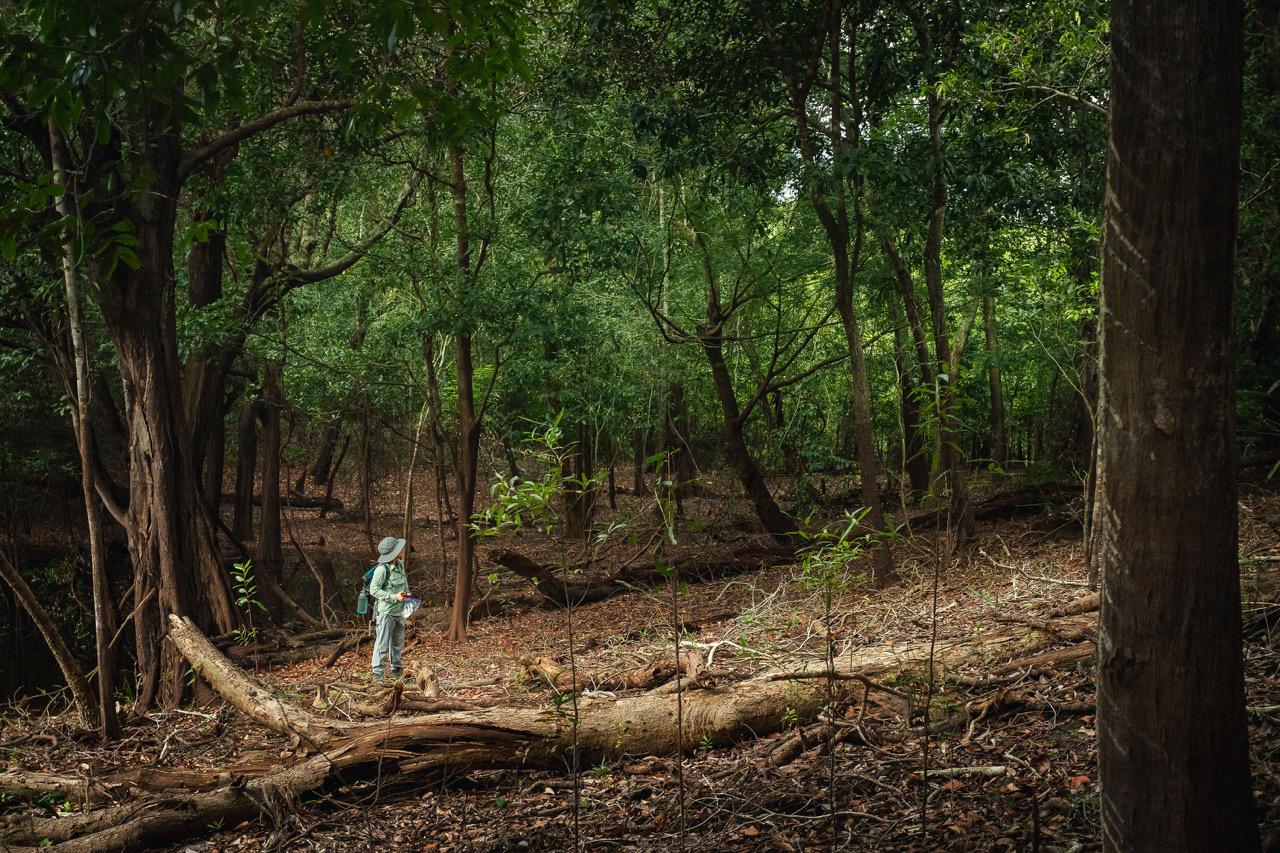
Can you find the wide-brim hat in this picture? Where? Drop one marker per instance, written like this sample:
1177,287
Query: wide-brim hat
389,549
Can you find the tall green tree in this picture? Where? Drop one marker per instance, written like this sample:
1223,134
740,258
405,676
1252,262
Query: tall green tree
145,97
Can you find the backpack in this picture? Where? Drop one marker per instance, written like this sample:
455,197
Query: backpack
362,600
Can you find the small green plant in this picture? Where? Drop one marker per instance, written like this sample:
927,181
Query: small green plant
705,743
247,591
601,770
790,718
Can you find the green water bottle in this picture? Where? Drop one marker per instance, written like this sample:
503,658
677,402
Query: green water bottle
362,603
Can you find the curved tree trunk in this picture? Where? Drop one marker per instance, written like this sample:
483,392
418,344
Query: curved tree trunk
81,695
777,523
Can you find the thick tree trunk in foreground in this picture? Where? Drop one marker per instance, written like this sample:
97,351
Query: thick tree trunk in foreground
1172,734
171,539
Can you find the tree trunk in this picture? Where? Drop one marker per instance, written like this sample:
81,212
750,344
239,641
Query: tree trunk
81,695
324,459
1172,733
638,487
915,463
468,418
103,715
406,532
246,466
171,538
580,499
269,560
950,457
674,440
999,434
777,523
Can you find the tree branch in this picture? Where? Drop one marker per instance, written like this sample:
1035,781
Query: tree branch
194,158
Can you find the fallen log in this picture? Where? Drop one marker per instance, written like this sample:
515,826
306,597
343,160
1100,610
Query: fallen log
559,591
659,671
1032,500
460,741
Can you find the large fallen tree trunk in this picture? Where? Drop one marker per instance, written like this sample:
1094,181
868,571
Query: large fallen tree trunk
1032,500
556,589
345,753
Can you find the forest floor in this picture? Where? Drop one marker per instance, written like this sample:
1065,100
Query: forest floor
1011,778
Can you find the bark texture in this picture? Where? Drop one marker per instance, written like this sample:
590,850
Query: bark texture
1173,752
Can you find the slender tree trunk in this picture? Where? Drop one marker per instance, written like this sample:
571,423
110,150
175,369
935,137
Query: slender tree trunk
468,450
580,502
882,559
407,530
1172,732
948,427
846,241
468,418
332,479
915,462
999,434
366,472
915,320
246,465
440,443
103,715
269,561
81,694
638,487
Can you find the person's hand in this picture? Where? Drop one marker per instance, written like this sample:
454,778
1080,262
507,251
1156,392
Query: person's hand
403,595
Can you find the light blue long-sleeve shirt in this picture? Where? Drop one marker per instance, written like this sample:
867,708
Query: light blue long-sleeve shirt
388,582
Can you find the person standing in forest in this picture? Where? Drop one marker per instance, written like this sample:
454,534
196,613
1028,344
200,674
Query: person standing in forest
390,588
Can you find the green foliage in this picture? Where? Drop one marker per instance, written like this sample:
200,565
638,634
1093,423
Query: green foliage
246,589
